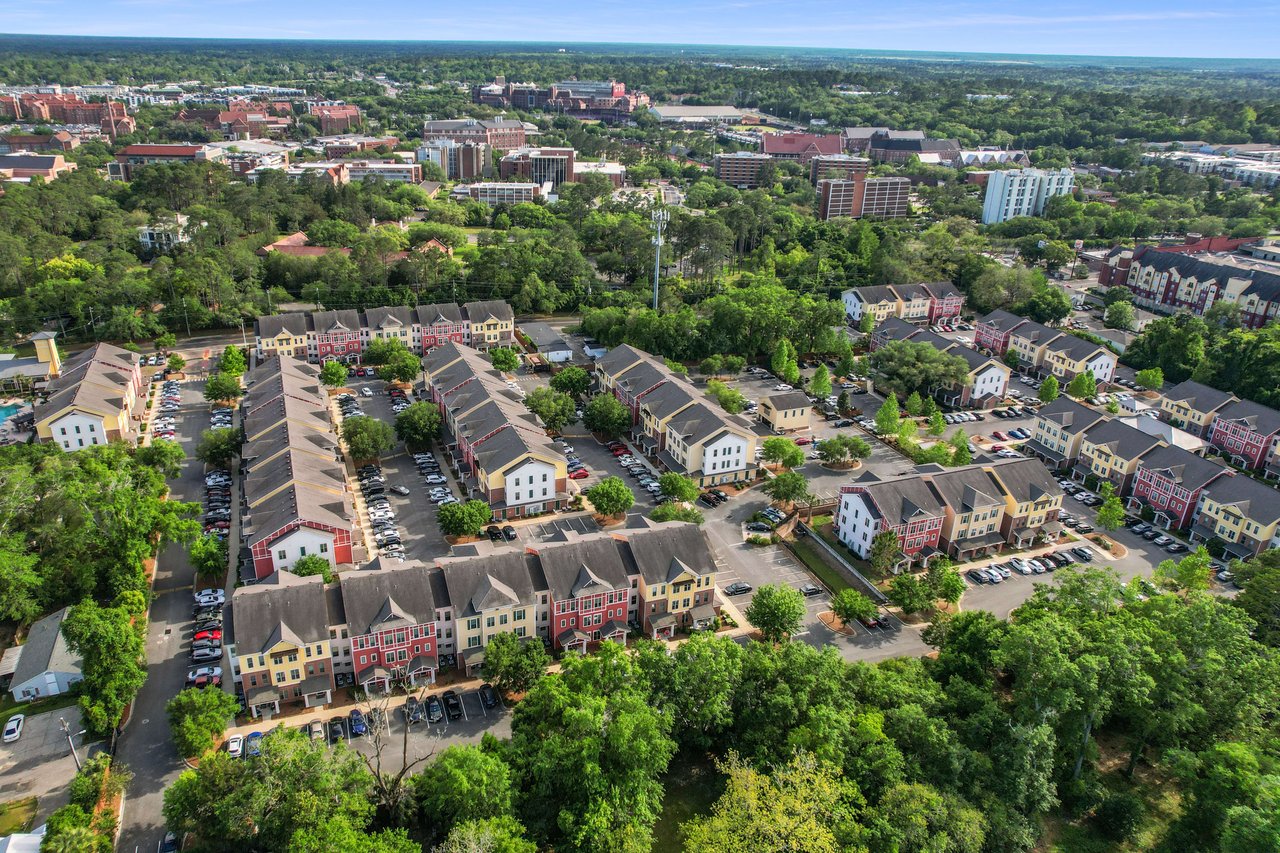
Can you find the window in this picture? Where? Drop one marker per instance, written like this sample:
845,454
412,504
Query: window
473,642
473,624
518,615
302,551
324,547
282,554
488,622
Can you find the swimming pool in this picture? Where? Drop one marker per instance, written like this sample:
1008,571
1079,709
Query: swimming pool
7,411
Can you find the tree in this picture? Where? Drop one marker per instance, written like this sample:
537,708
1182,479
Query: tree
909,594
217,447
913,404
176,363
504,359
730,399
1049,390
906,366
314,564
781,451
607,416
1151,379
820,384
867,324
673,511
1119,315
960,454
366,437
401,367
166,341
496,835
610,497
784,358
885,548
678,486
915,818
197,715
733,365
844,402
937,424
777,612
419,424
848,364
1111,511
841,448
573,380
1083,385
555,408
712,365
232,361
789,487
888,418
1190,574
944,582
513,666
164,455
464,783
333,374
1011,359
208,555
222,387
464,519
1260,598
849,605
111,650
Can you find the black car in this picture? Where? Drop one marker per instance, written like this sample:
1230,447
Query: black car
377,719
495,533
488,696
721,495
709,499
975,577
337,729
758,527
374,490
810,590
452,705
413,710
509,533
435,709
843,422
738,588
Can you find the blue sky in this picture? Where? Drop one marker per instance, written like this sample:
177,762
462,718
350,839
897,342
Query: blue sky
1148,28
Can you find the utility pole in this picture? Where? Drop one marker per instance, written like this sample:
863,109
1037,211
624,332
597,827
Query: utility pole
243,340
660,218
66,729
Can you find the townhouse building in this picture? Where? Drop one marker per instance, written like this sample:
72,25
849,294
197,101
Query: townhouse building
282,654
1173,282
986,382
1193,407
591,592
1059,429
675,570
1171,480
973,506
914,303
1032,502
906,505
490,595
785,412
391,620
1246,432
1242,513
94,397
295,500
345,334
1111,451
993,331
1043,350
500,448
1068,356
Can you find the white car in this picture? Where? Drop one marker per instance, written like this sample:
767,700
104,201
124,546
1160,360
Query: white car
13,728
782,387
219,594
204,672
235,746
435,478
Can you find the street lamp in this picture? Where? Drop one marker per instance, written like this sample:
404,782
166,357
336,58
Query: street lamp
66,729
660,219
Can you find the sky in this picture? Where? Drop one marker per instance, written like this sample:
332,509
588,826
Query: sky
1187,28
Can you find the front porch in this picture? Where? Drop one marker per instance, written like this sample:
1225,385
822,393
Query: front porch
964,550
662,626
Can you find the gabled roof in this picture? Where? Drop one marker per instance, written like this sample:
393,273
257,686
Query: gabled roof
1070,416
1253,500
328,322
392,317
788,400
1002,320
1121,439
582,566
444,313
899,500
492,309
896,329
1199,397
387,595
1077,349
501,579
620,358
700,422
669,398
967,489
1037,333
296,325
45,650
1026,480
281,608
1262,283
1259,418
662,552
1183,467
798,143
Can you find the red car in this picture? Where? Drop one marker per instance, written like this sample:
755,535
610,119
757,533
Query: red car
212,634
999,436
803,440
621,451
580,474
206,681
614,445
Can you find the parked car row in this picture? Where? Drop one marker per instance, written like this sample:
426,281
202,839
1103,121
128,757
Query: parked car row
577,468
713,497
637,470
1153,535
164,425
217,504
1000,572
399,400
963,417
437,484
206,634
349,406
382,518
1013,411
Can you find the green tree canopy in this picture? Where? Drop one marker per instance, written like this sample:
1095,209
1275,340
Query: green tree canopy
555,408
367,437
197,716
419,424
606,415
611,496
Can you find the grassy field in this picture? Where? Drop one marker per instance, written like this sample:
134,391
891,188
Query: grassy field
809,555
8,706
17,816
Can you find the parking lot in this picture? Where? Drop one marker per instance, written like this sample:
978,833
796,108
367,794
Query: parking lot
39,763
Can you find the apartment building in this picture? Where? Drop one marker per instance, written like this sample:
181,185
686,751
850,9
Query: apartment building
391,623
1023,192
906,505
282,653
1043,350
1111,451
490,595
460,161
1068,356
741,169
1193,407
539,165
1032,501
94,397
499,446
673,423
58,142
1173,282
858,197
1059,429
1242,513
500,134
1246,432
914,303
838,167
993,331
133,157
591,593
344,335
295,497
1171,480
785,412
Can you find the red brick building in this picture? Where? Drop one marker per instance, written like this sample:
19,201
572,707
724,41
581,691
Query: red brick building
336,119
132,157
801,147
993,331
1247,432
1170,481
590,591
111,116
502,134
391,618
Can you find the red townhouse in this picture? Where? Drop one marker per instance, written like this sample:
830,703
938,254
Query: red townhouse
336,335
906,505
947,301
1247,432
993,331
629,374
590,591
1170,481
391,617
437,324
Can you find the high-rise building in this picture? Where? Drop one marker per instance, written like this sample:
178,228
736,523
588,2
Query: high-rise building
460,161
539,165
840,167
1023,192
887,198
741,169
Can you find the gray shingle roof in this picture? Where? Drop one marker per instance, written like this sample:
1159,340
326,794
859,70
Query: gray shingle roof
660,553
282,607
1255,501
1121,439
384,596
1200,397
46,650
1182,466
1070,416
477,584
1259,418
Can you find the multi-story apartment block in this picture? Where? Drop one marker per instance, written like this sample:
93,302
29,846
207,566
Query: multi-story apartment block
539,165
906,505
499,446
676,575
1170,481
51,107
500,134
1044,350
336,118
1058,431
490,595
914,303
1111,451
1247,432
1029,340
591,592
282,653
1192,406
800,147
344,335
992,332
1023,192
391,619
94,397
741,169
1032,501
859,196
133,157
840,167
460,161
1242,513
675,426
974,507
1173,282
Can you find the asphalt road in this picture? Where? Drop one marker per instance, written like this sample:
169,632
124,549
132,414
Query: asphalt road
145,745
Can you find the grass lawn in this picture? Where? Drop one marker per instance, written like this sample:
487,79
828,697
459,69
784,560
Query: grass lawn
691,786
17,816
809,555
56,703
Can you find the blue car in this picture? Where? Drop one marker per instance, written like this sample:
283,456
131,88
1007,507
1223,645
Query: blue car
253,745
357,723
